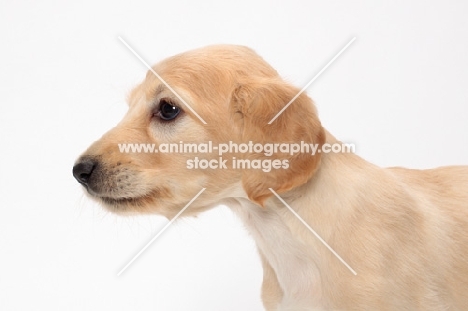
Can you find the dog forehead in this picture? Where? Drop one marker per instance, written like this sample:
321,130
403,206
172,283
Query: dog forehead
216,61
204,77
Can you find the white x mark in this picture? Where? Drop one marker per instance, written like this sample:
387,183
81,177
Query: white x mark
313,232
161,79
160,232
313,79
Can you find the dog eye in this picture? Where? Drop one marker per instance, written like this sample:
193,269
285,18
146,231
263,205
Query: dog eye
167,111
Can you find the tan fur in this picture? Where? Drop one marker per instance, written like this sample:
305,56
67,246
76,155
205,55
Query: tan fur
405,232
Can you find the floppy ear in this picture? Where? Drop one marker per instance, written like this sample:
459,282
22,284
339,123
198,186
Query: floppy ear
254,105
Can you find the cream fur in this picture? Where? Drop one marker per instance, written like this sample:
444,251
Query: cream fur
405,232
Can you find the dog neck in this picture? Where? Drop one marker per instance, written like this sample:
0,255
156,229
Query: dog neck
296,270
295,254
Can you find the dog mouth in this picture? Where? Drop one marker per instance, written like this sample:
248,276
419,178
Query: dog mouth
123,200
120,201
142,200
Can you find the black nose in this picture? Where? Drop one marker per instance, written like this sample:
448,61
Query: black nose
82,170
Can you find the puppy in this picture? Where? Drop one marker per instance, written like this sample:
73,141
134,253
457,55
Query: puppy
404,232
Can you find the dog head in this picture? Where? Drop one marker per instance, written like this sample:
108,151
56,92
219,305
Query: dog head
236,93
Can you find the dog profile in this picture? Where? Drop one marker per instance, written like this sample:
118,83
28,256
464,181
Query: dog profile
404,231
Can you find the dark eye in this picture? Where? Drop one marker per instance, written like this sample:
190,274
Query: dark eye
167,111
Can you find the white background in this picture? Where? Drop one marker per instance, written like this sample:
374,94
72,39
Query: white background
399,93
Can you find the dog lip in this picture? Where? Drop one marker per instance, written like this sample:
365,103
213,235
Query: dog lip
127,200
120,200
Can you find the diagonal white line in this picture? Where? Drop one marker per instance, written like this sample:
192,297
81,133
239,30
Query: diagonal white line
313,79
161,79
160,232
313,231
